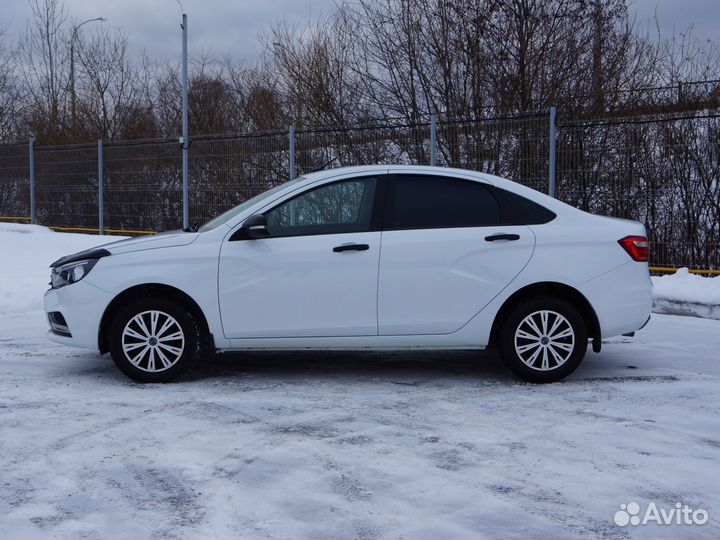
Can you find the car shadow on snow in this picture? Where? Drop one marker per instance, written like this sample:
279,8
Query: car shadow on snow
405,367
397,367
401,367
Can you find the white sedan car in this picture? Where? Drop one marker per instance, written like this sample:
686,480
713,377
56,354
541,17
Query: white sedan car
380,257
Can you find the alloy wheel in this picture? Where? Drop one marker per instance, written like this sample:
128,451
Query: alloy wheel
544,340
153,341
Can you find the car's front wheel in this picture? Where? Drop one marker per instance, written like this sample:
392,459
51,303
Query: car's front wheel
543,339
154,340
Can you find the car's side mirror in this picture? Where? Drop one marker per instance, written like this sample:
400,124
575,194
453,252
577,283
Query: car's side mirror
253,228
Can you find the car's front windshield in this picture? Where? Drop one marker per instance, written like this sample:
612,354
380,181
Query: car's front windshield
237,210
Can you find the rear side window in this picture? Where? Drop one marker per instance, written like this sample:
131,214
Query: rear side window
435,202
517,210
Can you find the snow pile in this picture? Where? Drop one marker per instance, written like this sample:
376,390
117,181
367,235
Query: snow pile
683,293
686,287
27,252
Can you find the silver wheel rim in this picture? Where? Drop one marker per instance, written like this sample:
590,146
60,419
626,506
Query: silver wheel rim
544,340
153,341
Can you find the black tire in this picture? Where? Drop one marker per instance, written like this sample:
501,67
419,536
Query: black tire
571,349
189,343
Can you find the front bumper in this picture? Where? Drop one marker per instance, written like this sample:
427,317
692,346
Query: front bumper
82,306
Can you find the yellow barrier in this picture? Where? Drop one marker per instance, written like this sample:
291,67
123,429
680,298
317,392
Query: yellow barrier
111,231
668,270
81,229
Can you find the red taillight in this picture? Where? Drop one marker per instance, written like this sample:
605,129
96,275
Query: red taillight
637,247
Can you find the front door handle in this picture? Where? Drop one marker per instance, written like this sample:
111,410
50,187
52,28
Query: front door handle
351,247
494,237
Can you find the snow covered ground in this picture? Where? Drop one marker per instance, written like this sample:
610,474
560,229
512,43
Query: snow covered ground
336,445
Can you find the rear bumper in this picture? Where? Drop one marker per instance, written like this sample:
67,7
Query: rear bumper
622,298
81,306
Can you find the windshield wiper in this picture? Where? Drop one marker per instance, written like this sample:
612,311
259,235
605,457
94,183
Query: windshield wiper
192,228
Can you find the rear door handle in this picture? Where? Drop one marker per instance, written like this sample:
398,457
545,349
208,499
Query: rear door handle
494,237
351,247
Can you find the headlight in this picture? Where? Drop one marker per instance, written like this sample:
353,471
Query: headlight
71,272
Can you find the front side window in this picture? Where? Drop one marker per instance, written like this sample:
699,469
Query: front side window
341,207
435,202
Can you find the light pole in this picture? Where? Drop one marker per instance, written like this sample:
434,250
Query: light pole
73,101
185,141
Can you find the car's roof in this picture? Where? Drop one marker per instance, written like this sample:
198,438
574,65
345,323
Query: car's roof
356,169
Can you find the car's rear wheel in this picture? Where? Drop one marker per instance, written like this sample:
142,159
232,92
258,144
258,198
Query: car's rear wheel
154,340
543,339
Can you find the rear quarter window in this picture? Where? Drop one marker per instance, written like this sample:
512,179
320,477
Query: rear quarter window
517,210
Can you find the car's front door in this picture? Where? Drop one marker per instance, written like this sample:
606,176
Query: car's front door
314,275
445,254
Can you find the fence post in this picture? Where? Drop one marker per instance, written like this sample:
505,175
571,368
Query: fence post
291,139
433,138
553,151
101,190
31,154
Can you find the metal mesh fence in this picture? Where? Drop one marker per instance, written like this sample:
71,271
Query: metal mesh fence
362,145
14,181
66,185
143,185
661,171
513,147
227,171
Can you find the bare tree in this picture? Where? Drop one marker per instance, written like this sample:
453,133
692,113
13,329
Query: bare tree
257,95
41,61
108,84
314,69
10,95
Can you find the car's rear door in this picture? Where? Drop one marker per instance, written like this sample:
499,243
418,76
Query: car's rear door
315,275
445,254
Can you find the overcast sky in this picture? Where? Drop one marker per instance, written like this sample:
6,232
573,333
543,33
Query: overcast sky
219,27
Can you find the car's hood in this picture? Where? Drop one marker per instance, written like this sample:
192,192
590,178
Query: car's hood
127,245
162,240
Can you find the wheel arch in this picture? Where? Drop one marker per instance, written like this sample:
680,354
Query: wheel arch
549,288
145,290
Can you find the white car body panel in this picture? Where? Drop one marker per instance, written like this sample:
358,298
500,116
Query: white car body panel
279,287
190,268
621,298
439,288
82,305
434,281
